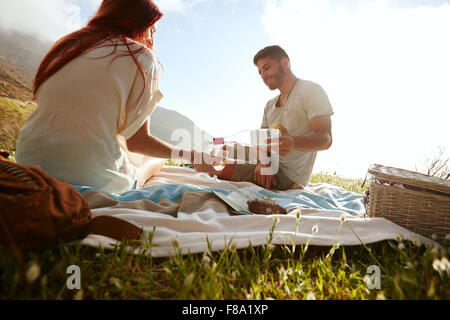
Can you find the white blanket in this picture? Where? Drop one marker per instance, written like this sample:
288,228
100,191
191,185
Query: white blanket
190,232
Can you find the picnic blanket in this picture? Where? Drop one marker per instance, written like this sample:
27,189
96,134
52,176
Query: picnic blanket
181,210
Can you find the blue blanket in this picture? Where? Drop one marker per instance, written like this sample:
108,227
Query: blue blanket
330,198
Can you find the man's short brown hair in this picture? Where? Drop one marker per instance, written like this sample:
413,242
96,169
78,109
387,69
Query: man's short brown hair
274,52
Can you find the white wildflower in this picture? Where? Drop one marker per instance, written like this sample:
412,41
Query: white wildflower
401,246
311,296
33,272
434,237
206,260
437,265
276,219
315,228
445,265
297,213
417,242
399,237
343,217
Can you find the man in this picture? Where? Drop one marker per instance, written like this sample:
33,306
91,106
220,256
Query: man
303,112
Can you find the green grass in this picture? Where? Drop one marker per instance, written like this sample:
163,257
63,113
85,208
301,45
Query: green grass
353,185
408,271
13,115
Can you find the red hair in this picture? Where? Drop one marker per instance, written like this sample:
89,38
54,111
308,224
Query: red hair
128,19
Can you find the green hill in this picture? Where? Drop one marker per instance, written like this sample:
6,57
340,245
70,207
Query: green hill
22,51
14,83
13,115
15,104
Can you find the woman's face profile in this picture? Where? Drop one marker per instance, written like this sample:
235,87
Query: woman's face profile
151,34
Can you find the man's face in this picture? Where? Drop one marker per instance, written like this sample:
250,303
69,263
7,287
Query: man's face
271,71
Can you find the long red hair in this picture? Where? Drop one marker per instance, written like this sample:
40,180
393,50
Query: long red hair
128,19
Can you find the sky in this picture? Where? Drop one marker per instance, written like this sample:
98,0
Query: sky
383,63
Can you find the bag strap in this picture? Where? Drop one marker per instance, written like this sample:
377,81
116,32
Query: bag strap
115,228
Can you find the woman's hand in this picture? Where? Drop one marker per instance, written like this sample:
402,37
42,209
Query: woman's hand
204,162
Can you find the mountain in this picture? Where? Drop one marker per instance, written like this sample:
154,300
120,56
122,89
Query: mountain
20,56
177,129
14,83
22,51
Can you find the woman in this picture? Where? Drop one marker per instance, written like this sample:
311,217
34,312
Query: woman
95,90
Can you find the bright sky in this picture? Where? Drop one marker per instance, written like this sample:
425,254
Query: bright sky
384,64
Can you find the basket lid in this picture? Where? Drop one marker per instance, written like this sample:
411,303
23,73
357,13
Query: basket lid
410,177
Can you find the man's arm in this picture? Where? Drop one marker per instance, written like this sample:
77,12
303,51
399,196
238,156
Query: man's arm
320,139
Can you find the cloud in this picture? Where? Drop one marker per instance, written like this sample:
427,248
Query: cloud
180,6
52,19
49,19
385,68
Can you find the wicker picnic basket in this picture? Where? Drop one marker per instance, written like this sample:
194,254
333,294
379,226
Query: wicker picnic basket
415,201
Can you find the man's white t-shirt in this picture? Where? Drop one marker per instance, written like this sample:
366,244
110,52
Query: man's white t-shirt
306,101
84,113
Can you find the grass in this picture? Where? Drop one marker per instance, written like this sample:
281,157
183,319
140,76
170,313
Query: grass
13,115
408,271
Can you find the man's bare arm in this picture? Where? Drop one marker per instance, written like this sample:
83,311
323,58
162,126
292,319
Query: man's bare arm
320,139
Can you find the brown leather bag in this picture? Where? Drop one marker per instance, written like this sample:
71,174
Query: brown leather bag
37,210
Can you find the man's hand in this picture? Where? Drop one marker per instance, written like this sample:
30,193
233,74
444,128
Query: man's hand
285,145
265,181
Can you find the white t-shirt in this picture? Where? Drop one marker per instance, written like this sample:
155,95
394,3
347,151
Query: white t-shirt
74,132
306,101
